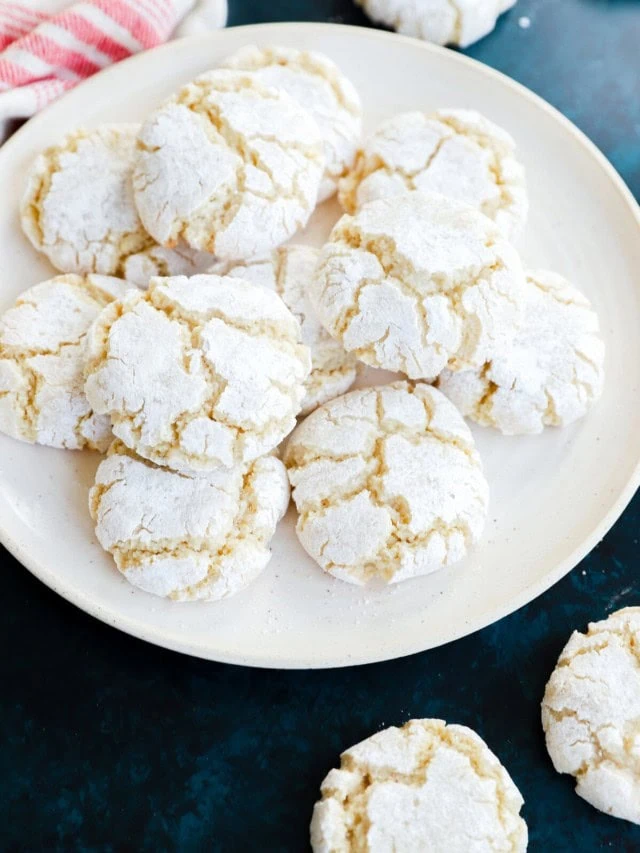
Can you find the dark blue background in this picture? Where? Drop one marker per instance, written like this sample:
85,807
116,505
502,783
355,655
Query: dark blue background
114,745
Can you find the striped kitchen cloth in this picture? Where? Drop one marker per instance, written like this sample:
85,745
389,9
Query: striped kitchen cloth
48,46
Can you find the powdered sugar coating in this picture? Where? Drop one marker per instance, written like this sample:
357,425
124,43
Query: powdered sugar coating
198,372
42,338
228,165
78,206
388,484
591,713
187,536
424,786
458,153
416,282
319,86
160,261
288,271
553,373
459,22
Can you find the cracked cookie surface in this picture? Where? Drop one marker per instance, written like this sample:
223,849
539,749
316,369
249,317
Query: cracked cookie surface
388,484
551,375
198,372
424,786
78,207
155,261
289,271
229,166
187,536
591,713
42,350
458,153
319,86
459,22
417,282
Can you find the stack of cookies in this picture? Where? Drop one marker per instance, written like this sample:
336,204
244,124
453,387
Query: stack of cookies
187,337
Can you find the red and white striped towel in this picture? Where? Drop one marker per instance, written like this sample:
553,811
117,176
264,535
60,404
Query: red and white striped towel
48,46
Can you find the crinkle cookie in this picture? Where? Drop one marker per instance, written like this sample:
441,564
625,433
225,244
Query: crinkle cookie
229,165
552,374
78,206
426,786
187,536
160,261
458,153
319,86
417,282
459,22
289,271
198,372
591,713
388,484
42,339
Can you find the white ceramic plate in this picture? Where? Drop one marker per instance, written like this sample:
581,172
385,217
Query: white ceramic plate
553,496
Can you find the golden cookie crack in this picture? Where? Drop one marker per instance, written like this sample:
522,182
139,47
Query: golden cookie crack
354,804
195,323
398,269
48,167
26,399
495,165
305,63
192,323
132,554
456,30
277,334
194,98
370,481
367,164
602,755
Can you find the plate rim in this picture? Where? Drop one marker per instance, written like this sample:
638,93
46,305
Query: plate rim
77,595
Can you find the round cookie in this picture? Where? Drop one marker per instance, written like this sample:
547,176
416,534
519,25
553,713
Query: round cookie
228,165
78,206
552,374
160,261
459,22
187,536
42,340
458,153
289,271
319,86
198,372
417,282
590,713
388,484
424,786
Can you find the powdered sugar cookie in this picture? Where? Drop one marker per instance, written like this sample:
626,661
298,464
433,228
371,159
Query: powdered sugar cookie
228,165
160,261
552,374
388,484
458,153
590,714
198,372
459,22
78,206
187,536
416,282
42,358
289,271
424,786
319,86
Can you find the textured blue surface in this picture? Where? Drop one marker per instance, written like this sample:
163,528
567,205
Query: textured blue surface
113,745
